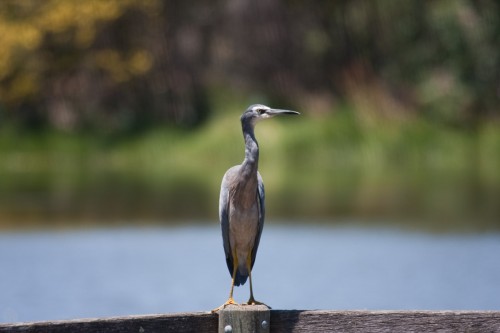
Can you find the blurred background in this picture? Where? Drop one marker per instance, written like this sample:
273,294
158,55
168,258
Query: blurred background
125,113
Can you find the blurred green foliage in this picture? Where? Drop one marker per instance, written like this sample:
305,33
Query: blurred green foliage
314,168
128,109
117,66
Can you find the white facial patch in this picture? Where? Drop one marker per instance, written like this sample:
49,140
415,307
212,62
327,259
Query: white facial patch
261,111
260,107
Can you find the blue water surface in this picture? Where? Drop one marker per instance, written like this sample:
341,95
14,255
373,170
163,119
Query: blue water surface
113,272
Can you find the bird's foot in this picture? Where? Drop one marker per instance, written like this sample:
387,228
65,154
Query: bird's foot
230,301
252,301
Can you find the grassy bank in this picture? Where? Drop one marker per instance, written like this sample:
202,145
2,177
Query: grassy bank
329,167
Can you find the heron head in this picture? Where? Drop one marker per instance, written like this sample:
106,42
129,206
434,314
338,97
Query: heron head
258,112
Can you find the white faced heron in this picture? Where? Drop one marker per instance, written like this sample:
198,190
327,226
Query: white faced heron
241,204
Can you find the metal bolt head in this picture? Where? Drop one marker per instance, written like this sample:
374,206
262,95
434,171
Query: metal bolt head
228,329
265,324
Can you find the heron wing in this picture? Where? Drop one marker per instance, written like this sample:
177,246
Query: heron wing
224,222
262,212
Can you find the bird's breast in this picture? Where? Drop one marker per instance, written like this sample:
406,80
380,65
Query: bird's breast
243,226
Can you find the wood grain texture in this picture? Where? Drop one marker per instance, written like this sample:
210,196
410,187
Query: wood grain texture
281,321
384,321
178,322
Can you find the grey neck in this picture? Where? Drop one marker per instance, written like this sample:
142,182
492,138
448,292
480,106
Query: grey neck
246,185
251,161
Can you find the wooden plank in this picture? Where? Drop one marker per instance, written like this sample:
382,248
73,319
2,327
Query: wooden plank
281,321
203,322
244,318
384,321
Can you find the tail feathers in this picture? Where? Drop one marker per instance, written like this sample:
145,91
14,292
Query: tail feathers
240,278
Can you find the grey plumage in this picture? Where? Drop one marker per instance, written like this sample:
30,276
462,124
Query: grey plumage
241,203
242,222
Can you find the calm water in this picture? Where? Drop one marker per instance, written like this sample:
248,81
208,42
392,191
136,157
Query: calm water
96,273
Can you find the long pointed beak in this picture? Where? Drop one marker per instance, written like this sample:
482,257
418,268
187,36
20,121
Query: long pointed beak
276,112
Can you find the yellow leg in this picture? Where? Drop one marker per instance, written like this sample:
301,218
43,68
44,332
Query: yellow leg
252,300
230,300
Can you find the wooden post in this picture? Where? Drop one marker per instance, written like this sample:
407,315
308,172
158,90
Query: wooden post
244,318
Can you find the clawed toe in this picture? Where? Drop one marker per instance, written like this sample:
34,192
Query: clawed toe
230,301
252,301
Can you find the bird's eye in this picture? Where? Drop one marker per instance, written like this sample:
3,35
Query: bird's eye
261,111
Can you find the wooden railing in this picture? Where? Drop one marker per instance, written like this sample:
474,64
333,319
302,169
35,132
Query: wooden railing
235,319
